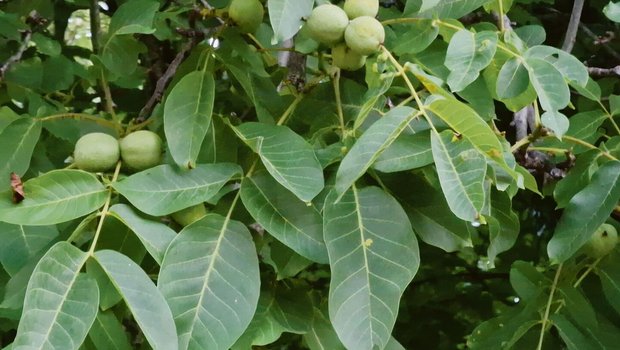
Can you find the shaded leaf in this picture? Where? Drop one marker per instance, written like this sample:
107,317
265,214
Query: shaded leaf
503,225
187,116
20,244
284,216
155,236
143,299
585,212
107,333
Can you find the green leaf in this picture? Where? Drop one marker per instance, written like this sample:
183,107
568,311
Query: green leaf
61,303
571,335
503,225
107,332
20,244
134,17
432,219
550,86
418,36
187,116
283,259
378,137
609,274
54,197
287,157
46,45
585,212
467,55
571,68
405,153
527,281
286,16
322,335
512,80
577,178
373,256
449,8
155,236
612,11
465,121
143,299
284,216
461,169
210,279
165,189
17,142
505,330
120,54
556,122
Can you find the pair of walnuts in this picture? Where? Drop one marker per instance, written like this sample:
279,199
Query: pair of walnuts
98,152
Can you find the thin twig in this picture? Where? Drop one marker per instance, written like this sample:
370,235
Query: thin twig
95,25
18,55
604,72
573,25
548,308
165,79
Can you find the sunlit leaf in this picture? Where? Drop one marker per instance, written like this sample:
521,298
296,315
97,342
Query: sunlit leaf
210,279
165,189
61,303
54,197
373,256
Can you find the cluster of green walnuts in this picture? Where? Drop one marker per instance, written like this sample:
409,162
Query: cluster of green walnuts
352,32
99,152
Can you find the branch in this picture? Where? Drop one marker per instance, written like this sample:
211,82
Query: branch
163,82
604,72
18,55
35,22
573,25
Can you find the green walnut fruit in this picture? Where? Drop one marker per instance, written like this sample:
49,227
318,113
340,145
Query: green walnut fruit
364,35
141,150
247,14
359,8
327,24
189,215
602,242
345,58
96,152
